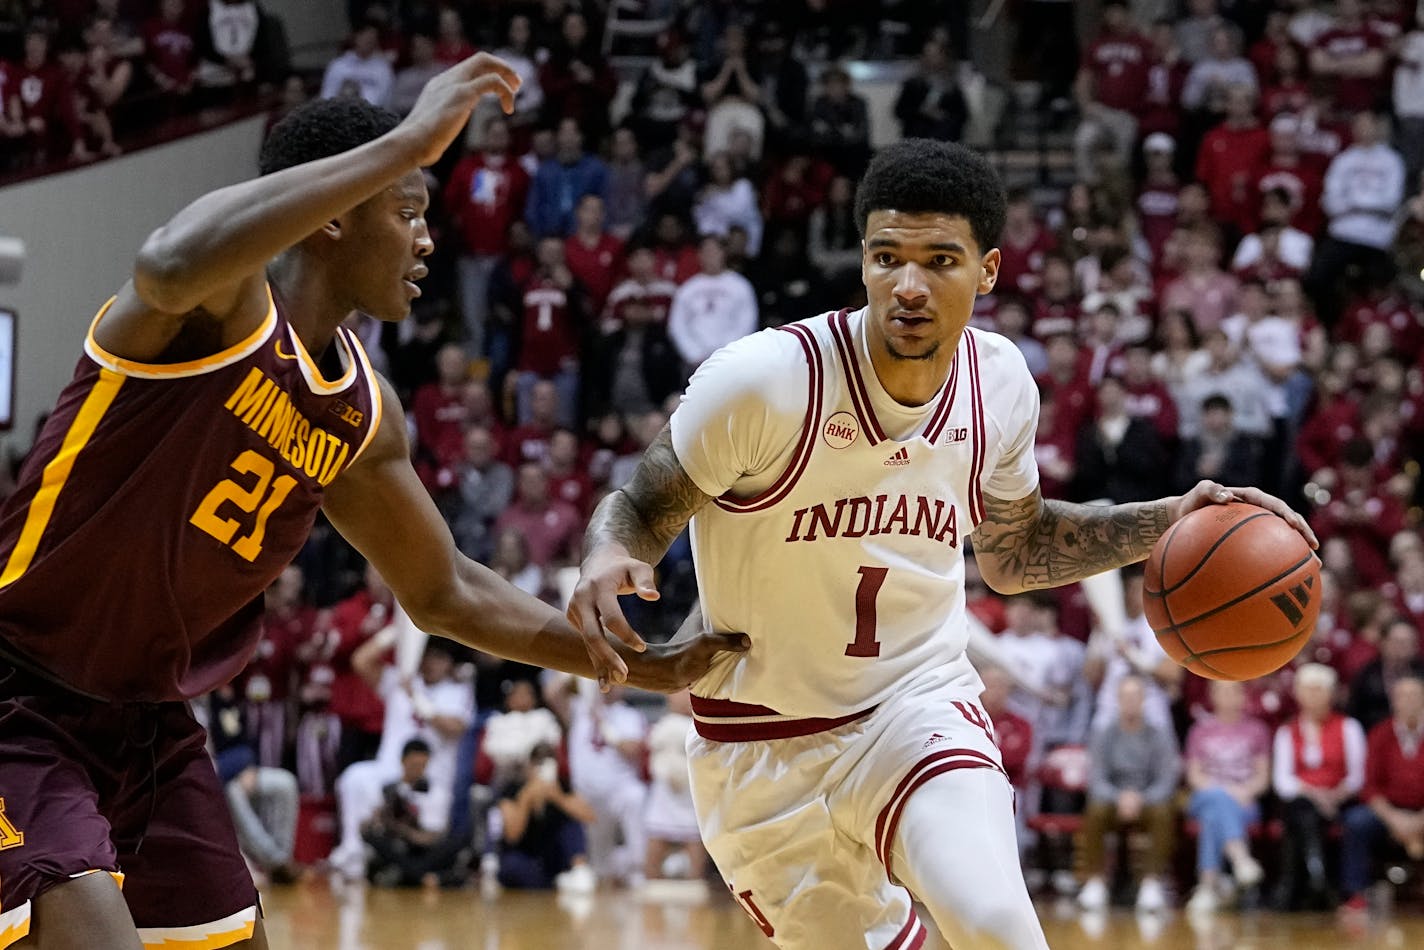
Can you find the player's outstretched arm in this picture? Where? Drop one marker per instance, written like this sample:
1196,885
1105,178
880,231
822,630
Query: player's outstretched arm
210,257
1033,542
629,532
380,506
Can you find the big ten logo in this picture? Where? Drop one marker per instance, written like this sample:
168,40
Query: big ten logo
347,413
840,430
953,436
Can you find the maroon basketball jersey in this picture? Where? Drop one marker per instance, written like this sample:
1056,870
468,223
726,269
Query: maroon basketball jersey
161,500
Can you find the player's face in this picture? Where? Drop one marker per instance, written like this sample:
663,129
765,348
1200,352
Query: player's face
390,241
922,273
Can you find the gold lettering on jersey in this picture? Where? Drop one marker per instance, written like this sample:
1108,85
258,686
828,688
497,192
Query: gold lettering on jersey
861,517
267,409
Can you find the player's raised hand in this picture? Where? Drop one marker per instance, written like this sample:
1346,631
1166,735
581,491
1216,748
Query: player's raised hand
594,610
1210,493
445,104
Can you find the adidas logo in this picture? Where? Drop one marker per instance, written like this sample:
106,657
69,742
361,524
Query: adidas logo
1301,593
934,739
901,457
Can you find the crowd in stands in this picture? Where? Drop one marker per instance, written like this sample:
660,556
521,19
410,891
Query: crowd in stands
80,77
1232,289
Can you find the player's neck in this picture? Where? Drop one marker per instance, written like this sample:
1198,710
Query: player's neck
911,382
309,302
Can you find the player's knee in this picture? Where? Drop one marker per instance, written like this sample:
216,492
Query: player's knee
991,922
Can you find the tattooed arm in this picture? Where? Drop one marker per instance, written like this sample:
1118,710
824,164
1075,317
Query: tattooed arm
1034,542
629,532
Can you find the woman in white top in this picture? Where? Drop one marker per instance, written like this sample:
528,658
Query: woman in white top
727,202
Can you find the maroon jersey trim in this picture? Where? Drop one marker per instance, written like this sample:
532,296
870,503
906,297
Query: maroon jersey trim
56,473
207,364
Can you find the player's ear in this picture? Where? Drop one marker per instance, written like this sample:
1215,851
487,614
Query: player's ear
989,271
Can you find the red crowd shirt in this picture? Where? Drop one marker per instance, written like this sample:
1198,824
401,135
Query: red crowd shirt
39,91
549,343
484,196
1405,323
1353,93
1119,66
1391,772
597,267
1229,163
352,698
1157,213
1331,769
1014,736
1303,183
1020,264
1162,110
676,263
169,48
439,422
656,295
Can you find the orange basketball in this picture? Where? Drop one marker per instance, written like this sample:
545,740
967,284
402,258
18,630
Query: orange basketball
1232,591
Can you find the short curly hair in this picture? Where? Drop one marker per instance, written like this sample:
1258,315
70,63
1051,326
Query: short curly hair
321,128
929,176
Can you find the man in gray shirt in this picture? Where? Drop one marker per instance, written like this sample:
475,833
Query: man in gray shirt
1133,772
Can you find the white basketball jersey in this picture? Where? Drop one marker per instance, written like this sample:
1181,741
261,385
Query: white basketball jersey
847,569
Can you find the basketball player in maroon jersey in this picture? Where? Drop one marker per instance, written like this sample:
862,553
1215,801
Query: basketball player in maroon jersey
219,403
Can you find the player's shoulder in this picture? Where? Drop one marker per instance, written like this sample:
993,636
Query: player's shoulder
1000,360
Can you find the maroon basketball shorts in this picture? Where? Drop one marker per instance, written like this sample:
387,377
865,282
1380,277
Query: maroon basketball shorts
125,789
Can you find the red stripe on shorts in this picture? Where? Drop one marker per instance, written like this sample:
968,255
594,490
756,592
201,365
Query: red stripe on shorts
946,760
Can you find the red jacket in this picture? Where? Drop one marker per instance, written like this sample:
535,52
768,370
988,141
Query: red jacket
1390,773
1229,163
484,195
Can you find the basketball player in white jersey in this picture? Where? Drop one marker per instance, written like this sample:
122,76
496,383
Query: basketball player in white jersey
833,471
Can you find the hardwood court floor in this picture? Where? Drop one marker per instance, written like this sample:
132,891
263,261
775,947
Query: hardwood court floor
312,916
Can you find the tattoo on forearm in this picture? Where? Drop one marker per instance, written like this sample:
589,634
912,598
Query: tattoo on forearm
1047,543
648,513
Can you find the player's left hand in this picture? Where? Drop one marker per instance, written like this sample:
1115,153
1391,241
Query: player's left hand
594,611
669,667
1211,493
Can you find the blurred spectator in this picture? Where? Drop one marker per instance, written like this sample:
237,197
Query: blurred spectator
1318,765
642,285
552,528
1028,654
782,86
262,800
1364,188
1211,79
530,441
108,70
1166,75
1066,383
1132,652
595,257
1120,457
82,110
1231,159
1134,768
451,44
1228,769
1372,687
485,486
1288,89
38,100
406,833
1054,448
728,201
1218,452
1226,374
1011,320
666,94
1360,513
1056,305
554,321
833,236
671,819
1180,356
438,415
1391,804
170,50
266,683
786,279
840,124
1409,97
636,366
674,178
1110,89
1022,247
1286,169
797,185
607,742
1277,249
519,52
485,194
511,562
712,308
931,103
1194,31
1157,200
542,841
568,481
411,78
561,181
576,79
511,736
1147,397
362,70
627,185
354,702
230,49
730,94
1351,57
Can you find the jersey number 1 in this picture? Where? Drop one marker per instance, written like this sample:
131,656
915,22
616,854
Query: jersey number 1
263,496
871,580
